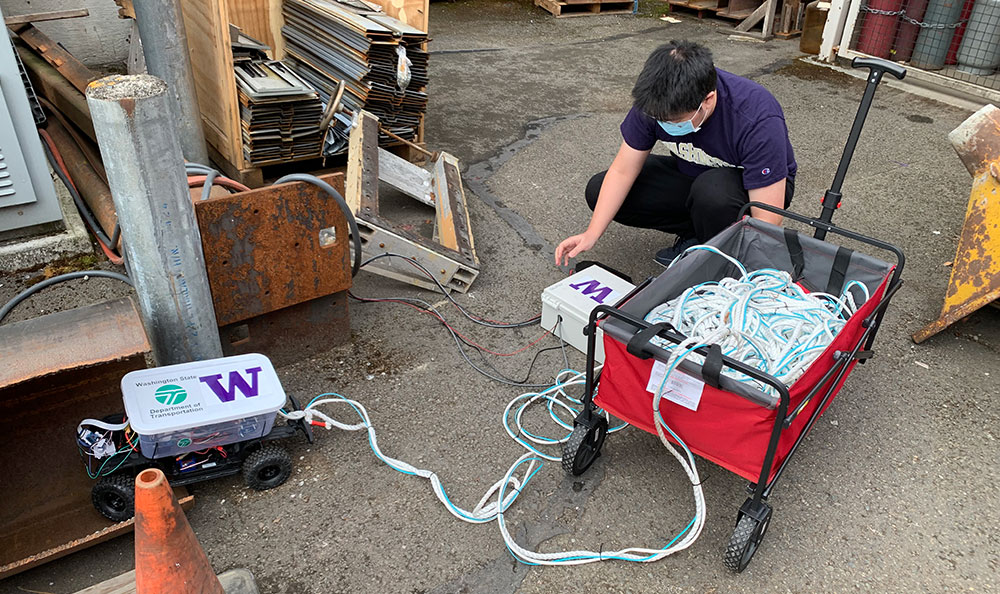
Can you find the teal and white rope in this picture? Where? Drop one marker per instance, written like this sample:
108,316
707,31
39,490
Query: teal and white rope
562,408
761,318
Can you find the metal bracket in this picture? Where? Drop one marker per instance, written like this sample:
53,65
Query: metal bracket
450,255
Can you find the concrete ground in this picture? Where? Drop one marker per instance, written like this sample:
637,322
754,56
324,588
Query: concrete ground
894,491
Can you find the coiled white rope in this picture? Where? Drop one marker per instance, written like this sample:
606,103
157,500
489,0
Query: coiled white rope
762,319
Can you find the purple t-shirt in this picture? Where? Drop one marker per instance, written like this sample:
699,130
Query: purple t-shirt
747,130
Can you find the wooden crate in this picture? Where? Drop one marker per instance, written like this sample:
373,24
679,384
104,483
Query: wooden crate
568,8
207,24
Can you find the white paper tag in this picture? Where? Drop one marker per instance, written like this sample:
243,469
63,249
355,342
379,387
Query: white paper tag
680,387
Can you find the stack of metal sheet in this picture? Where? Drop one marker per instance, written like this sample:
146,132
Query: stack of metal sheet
381,60
279,112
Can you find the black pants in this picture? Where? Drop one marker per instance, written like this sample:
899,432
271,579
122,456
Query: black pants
665,199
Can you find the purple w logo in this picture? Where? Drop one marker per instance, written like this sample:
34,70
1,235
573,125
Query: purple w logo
588,287
236,382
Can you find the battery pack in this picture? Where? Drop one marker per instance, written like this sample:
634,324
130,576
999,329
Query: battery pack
567,304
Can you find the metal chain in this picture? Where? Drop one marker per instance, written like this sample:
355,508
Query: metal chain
902,14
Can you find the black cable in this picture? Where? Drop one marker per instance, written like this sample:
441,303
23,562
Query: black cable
6,309
445,292
80,204
459,341
115,236
353,224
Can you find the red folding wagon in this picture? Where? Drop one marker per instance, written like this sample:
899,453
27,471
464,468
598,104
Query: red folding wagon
750,432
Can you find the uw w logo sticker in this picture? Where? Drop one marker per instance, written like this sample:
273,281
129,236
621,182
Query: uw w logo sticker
170,394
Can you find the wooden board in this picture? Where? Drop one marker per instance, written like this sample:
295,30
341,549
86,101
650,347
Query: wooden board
262,20
411,12
207,26
38,17
75,72
699,5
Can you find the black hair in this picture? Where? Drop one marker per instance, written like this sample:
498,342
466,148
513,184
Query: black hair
675,80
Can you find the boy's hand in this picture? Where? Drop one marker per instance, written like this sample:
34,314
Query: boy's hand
572,246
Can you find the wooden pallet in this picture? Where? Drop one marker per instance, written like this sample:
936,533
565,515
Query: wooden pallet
586,7
728,9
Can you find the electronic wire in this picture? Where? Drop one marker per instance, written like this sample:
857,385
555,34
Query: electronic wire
441,288
459,342
485,511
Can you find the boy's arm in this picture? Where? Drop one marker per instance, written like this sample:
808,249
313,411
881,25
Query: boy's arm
774,195
617,183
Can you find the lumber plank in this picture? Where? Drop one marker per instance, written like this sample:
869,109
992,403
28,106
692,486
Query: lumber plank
207,26
405,176
411,12
66,63
51,85
38,17
262,20
755,17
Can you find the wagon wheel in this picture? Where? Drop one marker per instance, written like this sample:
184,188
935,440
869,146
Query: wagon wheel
584,446
747,536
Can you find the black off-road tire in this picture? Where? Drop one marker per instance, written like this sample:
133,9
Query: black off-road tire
114,497
267,468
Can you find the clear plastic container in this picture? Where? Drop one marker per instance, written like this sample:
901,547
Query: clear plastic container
183,408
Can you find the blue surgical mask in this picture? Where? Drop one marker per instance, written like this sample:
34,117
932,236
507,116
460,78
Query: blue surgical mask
681,128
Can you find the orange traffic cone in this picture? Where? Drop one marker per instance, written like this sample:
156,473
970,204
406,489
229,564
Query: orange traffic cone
168,557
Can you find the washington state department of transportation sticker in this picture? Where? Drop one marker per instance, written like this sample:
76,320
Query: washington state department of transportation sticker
680,388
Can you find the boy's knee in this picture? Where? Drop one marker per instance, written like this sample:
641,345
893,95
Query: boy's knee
594,189
714,189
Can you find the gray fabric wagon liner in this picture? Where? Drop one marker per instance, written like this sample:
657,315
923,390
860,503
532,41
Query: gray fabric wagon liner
756,245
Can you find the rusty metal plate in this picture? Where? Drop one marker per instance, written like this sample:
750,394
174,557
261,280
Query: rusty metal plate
77,338
57,370
264,250
291,333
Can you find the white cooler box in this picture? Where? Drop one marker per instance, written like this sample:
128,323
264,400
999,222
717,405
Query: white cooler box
572,299
203,404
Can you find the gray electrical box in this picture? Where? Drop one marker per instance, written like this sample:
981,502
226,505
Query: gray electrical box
28,202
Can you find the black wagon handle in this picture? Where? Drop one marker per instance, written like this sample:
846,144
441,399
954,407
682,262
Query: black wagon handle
877,67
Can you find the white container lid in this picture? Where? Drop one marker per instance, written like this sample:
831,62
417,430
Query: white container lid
178,397
581,292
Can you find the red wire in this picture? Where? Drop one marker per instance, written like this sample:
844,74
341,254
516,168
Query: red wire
125,418
195,181
465,338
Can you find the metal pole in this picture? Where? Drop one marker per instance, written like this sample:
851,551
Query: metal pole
142,155
164,44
